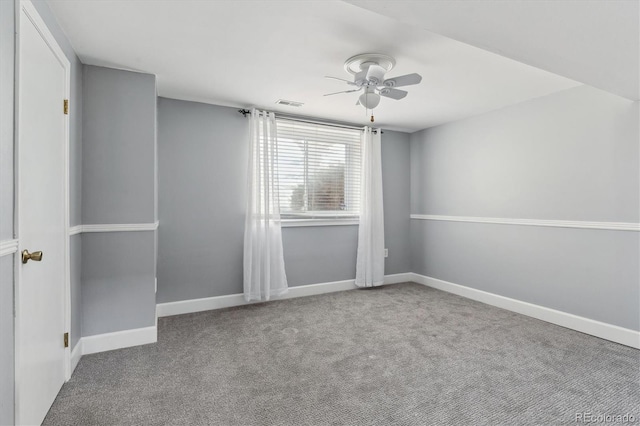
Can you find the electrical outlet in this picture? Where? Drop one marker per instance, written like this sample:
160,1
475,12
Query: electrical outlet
386,252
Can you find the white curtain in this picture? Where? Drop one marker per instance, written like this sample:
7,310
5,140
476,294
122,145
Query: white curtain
370,261
264,274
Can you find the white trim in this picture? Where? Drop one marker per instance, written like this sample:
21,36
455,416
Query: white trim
294,223
603,330
119,339
612,226
121,227
404,277
111,341
227,301
76,354
8,247
114,227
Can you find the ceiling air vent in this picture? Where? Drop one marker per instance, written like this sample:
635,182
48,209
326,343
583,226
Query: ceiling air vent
289,103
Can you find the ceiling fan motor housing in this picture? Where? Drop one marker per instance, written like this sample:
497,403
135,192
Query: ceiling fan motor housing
369,68
375,73
361,78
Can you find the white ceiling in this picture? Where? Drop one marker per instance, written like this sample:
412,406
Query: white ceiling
244,53
596,42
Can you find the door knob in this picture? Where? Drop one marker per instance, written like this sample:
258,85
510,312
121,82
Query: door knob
36,256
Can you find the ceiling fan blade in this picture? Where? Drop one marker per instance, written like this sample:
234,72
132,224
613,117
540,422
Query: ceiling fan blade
344,91
340,79
393,93
403,80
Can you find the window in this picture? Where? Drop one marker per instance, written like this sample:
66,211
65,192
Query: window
318,170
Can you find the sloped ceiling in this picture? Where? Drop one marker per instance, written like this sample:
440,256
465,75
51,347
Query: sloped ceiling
596,42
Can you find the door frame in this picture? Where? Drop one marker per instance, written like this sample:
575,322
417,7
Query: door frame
33,15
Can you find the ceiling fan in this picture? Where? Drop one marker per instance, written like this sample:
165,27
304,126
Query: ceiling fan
369,71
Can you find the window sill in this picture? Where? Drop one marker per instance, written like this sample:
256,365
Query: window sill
294,223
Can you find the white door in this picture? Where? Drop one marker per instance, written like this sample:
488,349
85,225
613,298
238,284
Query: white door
42,198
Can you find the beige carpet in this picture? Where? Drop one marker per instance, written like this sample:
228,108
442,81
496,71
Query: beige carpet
395,355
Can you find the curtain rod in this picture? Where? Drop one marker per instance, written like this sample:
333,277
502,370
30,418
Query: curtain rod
246,112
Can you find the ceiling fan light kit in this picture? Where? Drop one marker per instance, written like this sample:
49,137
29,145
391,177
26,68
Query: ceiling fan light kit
369,100
368,70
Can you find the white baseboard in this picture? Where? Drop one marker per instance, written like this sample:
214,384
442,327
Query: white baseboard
76,354
111,341
227,301
398,278
119,340
603,330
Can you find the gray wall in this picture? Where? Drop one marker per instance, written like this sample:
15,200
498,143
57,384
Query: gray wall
202,186
118,281
118,187
202,161
119,151
6,210
75,251
7,348
572,155
396,179
7,51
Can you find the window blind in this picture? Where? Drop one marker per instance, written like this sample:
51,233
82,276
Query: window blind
318,170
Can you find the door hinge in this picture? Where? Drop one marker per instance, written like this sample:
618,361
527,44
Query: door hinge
66,107
66,340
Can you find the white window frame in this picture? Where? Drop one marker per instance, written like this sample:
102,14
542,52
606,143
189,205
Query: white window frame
314,218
